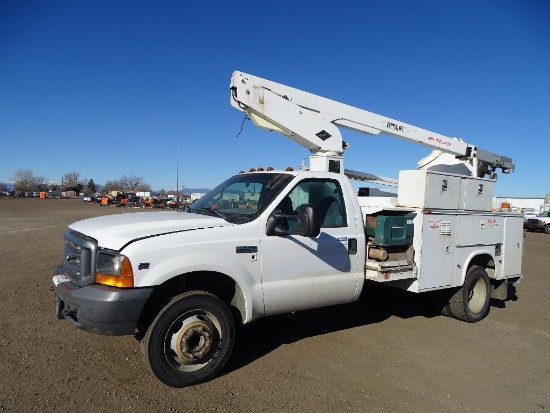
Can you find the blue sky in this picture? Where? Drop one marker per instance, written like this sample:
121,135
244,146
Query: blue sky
112,88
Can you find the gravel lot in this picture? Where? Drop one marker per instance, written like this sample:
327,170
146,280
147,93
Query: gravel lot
386,352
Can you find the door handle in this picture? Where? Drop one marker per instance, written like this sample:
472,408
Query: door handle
352,246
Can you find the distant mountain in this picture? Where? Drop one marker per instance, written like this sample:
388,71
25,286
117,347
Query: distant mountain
189,191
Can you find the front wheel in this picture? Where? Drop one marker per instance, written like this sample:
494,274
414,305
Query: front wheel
471,302
190,340
547,229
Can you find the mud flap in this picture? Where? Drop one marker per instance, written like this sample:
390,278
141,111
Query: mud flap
59,305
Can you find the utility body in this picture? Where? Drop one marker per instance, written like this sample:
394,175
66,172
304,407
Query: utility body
272,242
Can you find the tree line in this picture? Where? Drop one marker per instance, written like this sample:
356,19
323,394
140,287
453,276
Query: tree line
25,180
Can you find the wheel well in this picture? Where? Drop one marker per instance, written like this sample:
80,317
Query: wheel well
218,284
484,261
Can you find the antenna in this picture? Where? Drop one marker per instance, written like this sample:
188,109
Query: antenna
177,180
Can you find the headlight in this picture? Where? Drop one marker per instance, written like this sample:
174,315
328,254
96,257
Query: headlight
114,269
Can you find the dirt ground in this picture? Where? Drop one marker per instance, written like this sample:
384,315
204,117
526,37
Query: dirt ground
387,352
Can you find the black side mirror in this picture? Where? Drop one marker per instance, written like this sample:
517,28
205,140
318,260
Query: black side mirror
309,224
305,223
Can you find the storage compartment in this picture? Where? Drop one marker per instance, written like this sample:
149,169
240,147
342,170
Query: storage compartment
476,194
390,230
438,190
390,253
426,189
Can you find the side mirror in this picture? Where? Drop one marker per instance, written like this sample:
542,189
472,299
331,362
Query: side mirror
305,223
309,224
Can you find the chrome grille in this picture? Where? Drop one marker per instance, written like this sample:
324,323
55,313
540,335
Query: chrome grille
72,260
80,257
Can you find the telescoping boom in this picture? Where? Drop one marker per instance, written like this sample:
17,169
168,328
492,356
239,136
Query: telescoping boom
313,122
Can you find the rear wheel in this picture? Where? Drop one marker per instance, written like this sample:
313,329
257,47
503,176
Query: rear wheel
190,340
471,302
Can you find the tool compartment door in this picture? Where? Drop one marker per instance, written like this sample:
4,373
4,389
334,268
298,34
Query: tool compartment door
436,254
512,253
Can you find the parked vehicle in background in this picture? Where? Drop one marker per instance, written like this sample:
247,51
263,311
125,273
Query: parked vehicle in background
134,201
528,213
540,223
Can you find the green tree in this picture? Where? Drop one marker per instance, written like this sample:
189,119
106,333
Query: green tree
92,187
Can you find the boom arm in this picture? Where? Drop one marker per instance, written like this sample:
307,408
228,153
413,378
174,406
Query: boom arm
313,121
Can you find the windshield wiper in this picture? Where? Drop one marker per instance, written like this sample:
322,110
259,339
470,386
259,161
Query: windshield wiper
213,211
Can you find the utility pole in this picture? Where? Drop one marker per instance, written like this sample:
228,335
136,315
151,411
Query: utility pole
177,180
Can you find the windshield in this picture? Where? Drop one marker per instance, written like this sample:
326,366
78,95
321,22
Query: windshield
241,198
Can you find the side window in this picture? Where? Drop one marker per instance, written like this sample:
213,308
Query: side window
325,194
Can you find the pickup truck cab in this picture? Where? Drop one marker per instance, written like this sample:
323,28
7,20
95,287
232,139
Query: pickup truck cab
539,223
259,244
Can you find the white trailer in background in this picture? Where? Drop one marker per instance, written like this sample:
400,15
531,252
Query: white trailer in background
196,195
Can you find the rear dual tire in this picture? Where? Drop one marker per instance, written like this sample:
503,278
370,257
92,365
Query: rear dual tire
471,302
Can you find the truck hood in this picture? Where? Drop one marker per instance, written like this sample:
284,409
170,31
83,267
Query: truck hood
115,231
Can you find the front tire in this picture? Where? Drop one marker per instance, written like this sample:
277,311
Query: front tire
471,302
190,340
547,229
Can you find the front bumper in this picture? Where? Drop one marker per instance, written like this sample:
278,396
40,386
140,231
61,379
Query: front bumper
99,308
538,226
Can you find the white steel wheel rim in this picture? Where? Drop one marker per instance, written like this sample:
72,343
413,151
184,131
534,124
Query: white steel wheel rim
477,295
196,332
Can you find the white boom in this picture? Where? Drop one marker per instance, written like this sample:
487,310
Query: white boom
313,121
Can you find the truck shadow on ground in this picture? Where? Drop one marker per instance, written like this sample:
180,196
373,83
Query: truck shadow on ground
376,304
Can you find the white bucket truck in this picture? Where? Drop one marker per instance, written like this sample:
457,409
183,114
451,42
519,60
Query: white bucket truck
272,242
